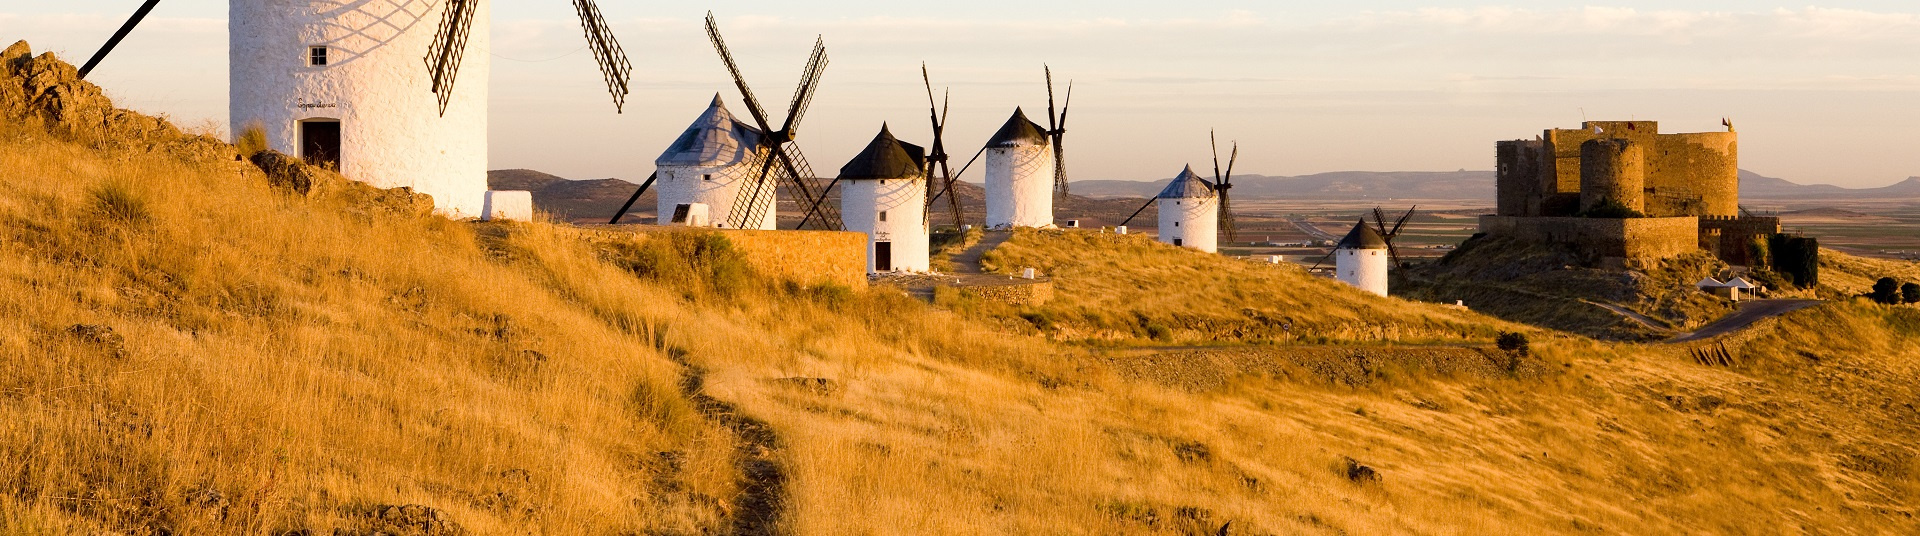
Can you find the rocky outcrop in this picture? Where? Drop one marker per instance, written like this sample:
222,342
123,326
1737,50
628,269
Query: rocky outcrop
45,92
49,92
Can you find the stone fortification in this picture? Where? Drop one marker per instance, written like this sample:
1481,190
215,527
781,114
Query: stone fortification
1604,239
1612,169
1547,182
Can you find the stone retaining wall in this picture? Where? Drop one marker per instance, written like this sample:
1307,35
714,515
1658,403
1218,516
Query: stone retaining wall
1604,238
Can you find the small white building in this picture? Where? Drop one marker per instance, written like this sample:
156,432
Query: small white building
884,194
1361,259
716,162
341,85
1190,213
1019,175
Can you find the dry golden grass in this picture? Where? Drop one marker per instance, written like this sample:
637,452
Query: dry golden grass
1111,287
1843,275
186,350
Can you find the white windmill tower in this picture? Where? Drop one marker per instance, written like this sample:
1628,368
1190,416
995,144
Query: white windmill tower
885,196
708,165
1194,213
343,84
1190,212
1021,174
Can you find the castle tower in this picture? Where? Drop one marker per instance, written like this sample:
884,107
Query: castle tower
884,195
1360,259
1613,168
1019,175
342,85
1190,213
715,162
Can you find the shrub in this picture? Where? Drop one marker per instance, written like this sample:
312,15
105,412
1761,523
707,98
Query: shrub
1159,332
251,140
1512,342
1797,257
119,201
1910,293
1886,290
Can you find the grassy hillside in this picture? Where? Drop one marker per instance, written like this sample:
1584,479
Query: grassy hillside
1130,287
1547,285
186,348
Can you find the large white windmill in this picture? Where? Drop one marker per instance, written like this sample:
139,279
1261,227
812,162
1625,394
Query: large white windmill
367,88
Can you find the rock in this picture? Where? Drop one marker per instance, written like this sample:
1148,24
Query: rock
101,336
1361,473
410,520
285,172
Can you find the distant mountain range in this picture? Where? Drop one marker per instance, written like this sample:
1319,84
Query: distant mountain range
1353,185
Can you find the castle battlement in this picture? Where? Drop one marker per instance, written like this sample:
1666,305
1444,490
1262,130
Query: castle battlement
1683,185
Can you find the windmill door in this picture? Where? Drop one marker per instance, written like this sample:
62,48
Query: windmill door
882,256
320,143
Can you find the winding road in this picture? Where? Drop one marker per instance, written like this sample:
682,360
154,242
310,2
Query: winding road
1750,312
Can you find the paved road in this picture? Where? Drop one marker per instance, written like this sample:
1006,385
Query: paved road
1311,230
1750,312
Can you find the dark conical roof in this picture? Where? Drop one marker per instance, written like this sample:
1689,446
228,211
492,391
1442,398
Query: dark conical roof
887,158
1362,237
1188,184
714,139
1019,132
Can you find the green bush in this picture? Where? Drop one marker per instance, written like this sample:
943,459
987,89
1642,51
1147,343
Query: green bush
1797,257
1910,293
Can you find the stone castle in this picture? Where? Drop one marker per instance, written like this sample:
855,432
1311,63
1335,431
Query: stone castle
1619,190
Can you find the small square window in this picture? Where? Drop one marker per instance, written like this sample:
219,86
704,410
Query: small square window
317,56
883,215
1176,224
707,177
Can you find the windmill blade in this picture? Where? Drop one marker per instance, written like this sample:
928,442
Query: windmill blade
937,155
449,46
1379,221
121,34
1227,230
1227,181
1403,220
614,65
1143,208
1060,141
636,197
809,82
1214,141
1323,260
726,56
1393,252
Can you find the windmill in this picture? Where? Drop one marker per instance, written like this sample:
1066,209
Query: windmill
937,167
456,25
783,165
1057,132
1379,236
1220,185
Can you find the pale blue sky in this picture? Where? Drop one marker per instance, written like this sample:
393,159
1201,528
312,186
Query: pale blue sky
1821,92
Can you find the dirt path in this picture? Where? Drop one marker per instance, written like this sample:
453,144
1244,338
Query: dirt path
1644,320
1750,312
763,484
968,262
